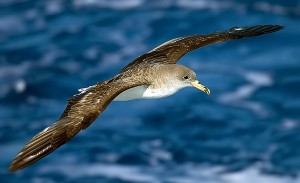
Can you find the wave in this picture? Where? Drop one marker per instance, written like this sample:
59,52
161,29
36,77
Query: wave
176,174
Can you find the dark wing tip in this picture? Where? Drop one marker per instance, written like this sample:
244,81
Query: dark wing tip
12,168
40,146
250,31
37,148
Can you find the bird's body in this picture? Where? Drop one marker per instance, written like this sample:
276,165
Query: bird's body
152,75
161,84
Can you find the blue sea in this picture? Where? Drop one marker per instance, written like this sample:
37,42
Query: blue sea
246,131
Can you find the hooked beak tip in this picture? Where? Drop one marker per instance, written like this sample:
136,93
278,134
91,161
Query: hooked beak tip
206,90
201,87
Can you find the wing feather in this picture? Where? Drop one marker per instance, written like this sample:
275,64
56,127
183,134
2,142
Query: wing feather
81,111
171,51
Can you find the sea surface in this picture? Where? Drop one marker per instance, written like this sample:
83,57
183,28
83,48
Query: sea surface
246,131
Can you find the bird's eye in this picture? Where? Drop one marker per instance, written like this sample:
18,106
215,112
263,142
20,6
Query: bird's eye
186,77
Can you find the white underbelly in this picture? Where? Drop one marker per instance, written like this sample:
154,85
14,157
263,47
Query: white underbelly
143,92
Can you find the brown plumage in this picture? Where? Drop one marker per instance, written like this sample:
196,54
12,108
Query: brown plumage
85,107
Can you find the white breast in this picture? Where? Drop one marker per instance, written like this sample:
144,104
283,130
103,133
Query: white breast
145,92
132,93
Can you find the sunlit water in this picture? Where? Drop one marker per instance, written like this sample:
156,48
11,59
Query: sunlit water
246,131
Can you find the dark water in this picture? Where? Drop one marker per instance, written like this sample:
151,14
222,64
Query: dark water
246,131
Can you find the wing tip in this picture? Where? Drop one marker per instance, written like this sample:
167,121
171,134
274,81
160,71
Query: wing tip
17,164
13,168
40,146
21,162
250,31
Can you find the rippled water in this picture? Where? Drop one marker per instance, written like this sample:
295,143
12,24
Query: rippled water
246,131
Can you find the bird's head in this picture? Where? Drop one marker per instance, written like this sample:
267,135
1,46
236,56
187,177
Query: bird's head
188,77
180,77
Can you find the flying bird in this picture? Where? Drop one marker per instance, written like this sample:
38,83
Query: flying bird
152,75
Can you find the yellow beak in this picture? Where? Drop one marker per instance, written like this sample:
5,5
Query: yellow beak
199,86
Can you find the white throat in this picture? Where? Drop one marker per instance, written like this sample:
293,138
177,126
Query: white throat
146,92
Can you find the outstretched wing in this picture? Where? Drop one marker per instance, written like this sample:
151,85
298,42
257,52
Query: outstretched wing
170,52
81,111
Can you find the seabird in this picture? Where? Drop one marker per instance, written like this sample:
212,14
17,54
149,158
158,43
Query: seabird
152,75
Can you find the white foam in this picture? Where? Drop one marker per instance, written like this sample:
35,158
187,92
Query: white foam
10,25
11,78
288,123
126,173
54,6
273,8
252,175
240,93
209,4
20,86
259,78
186,173
239,97
115,4
42,180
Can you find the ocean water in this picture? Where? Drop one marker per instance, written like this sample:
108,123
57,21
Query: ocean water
246,131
